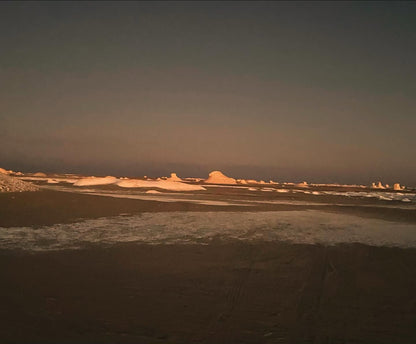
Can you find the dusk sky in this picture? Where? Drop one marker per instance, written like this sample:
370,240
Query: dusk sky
289,91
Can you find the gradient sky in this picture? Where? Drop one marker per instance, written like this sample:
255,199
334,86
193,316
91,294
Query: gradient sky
316,91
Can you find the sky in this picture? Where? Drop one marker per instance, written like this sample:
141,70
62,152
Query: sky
289,91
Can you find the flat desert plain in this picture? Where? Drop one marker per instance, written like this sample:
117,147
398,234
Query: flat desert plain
227,264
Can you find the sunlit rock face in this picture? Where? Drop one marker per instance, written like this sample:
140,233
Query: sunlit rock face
379,185
159,184
10,172
302,185
174,178
217,177
88,181
398,187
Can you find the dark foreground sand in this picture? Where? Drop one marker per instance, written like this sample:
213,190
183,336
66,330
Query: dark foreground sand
220,293
225,292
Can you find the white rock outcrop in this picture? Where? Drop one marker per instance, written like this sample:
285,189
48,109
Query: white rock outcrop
217,177
398,187
88,181
160,184
302,185
174,178
379,185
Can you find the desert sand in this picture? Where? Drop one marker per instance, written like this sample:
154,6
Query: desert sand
219,293
48,207
227,291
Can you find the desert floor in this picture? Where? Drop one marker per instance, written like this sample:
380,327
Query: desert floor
223,292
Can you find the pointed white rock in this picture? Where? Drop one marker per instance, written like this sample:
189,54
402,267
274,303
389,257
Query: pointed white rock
217,177
174,178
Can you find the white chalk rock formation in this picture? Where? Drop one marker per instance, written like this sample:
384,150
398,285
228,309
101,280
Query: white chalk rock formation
153,192
160,184
3,171
88,181
379,185
10,172
174,178
217,177
12,184
302,185
398,187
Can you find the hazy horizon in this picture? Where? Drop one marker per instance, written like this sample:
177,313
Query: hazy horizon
289,91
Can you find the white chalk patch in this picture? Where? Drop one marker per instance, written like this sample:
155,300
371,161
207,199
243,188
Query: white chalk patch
306,227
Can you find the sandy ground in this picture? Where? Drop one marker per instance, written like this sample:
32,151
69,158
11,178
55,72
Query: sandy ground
49,207
219,293
225,292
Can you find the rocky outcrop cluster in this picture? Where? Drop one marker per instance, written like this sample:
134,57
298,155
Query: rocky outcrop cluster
13,184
